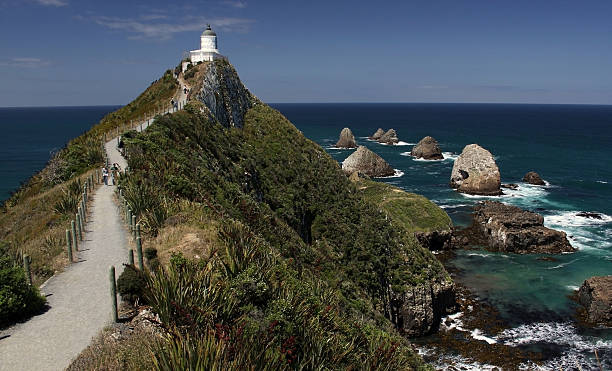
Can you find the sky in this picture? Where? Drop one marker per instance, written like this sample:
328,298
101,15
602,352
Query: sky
86,52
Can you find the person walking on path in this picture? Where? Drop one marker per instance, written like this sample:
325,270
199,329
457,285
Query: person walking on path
105,175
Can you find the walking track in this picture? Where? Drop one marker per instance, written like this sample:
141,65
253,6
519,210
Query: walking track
79,298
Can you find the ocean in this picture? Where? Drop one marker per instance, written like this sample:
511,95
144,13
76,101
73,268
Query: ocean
570,146
33,134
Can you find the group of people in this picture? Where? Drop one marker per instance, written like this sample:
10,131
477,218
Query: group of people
110,175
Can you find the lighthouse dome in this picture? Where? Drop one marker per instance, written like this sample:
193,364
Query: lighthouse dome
208,32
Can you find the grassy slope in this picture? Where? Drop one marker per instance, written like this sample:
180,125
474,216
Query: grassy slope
29,222
410,211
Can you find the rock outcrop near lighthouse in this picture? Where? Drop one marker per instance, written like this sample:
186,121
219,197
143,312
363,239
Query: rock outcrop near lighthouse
224,96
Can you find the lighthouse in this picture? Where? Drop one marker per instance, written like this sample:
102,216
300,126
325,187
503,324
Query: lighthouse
208,48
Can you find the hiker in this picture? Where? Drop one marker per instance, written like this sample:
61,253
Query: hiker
105,175
114,169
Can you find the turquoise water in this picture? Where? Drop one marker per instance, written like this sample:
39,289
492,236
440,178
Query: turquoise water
31,135
569,146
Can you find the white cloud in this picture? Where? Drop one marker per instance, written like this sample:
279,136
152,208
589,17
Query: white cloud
25,62
57,3
152,27
236,3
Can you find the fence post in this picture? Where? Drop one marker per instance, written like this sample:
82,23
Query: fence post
131,257
133,225
139,253
113,292
74,236
79,226
68,245
129,218
137,231
26,268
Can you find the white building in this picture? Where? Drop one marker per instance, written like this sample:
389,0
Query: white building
208,48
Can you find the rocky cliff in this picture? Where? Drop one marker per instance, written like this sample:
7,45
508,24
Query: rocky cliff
224,96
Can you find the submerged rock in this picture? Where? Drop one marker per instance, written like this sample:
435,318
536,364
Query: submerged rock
533,178
367,162
595,295
475,172
510,186
347,139
428,149
390,137
379,133
511,229
590,215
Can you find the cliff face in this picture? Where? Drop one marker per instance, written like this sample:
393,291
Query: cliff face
225,97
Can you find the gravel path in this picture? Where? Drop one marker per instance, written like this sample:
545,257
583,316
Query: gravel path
79,298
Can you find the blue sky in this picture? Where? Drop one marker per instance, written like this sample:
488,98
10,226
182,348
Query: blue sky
86,52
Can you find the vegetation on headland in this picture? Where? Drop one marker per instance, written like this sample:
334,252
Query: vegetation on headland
291,264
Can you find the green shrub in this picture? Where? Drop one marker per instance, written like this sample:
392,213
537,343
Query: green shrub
18,300
131,285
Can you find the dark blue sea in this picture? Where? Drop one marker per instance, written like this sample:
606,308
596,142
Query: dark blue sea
31,135
570,146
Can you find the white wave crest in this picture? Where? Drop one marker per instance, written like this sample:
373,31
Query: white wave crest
572,219
601,181
398,173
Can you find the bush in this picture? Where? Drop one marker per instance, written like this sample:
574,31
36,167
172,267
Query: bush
18,300
131,285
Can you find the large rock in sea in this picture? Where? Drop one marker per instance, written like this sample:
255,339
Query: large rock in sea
390,137
475,172
533,178
428,149
367,162
379,133
595,295
511,229
347,139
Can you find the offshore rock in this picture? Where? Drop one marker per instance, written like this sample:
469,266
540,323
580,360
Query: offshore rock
225,98
511,229
379,133
390,137
347,139
475,172
428,149
595,295
533,178
367,162
418,310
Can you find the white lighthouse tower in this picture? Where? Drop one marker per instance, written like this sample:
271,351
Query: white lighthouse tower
208,48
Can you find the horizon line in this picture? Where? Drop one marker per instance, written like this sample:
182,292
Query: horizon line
356,102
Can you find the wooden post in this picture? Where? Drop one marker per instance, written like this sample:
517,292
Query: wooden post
113,292
138,230
139,253
73,236
133,225
131,257
129,218
68,245
26,268
79,226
